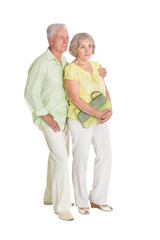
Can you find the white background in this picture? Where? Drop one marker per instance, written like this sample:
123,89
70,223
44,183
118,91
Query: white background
128,45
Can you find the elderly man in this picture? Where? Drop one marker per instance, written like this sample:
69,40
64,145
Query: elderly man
45,96
46,99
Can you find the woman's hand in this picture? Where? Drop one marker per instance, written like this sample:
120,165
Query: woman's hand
101,115
73,90
106,116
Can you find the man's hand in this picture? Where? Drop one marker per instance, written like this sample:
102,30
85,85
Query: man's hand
51,122
106,116
102,72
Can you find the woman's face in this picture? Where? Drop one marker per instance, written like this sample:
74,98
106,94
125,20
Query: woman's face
84,50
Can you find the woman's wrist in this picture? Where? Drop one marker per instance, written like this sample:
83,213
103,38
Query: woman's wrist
97,114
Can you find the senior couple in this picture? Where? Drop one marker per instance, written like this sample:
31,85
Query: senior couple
49,76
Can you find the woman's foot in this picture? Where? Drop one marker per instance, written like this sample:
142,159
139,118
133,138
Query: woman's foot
84,211
105,208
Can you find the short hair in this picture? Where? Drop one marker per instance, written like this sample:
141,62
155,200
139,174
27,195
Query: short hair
51,29
76,41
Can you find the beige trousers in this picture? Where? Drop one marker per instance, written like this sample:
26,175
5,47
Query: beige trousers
58,186
98,135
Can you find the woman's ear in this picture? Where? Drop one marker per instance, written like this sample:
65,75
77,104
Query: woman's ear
75,53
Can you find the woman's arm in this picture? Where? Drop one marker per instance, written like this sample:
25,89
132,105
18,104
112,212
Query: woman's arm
107,94
109,113
73,90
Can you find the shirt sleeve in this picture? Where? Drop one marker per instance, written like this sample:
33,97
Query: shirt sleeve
70,73
33,87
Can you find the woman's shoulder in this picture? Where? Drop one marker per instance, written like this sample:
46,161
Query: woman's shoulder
70,71
70,66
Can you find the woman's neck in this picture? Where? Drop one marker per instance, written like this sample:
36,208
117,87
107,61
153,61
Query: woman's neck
81,62
84,64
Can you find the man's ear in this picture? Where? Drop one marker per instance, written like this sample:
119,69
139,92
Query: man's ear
49,41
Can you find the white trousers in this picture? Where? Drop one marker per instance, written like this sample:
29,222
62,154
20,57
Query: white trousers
98,135
58,186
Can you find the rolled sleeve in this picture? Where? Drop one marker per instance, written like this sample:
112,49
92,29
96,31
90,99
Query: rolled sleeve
41,112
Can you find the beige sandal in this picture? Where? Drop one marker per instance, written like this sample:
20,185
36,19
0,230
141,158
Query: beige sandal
106,208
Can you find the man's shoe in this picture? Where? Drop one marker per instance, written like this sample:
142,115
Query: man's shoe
50,203
66,216
47,203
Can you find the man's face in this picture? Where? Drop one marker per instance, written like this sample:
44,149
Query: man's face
60,40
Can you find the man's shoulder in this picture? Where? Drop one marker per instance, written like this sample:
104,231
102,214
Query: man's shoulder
40,60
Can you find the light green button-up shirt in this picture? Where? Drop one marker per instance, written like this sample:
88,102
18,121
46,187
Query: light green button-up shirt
44,92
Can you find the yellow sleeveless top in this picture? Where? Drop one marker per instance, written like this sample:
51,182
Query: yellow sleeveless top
88,83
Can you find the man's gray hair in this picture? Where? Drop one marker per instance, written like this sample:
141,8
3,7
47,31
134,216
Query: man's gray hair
51,29
76,41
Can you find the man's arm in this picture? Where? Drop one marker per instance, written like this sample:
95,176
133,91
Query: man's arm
33,95
32,92
51,122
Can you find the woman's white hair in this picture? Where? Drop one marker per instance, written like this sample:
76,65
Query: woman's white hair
76,41
51,29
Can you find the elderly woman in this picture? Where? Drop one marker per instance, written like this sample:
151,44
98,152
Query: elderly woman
81,78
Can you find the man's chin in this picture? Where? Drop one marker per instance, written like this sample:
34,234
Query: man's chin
64,49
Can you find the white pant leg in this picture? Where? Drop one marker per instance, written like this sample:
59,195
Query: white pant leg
81,139
102,168
58,186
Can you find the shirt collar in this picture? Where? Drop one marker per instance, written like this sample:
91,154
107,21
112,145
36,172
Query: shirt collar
50,56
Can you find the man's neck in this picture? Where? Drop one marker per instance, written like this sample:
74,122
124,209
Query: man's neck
57,55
